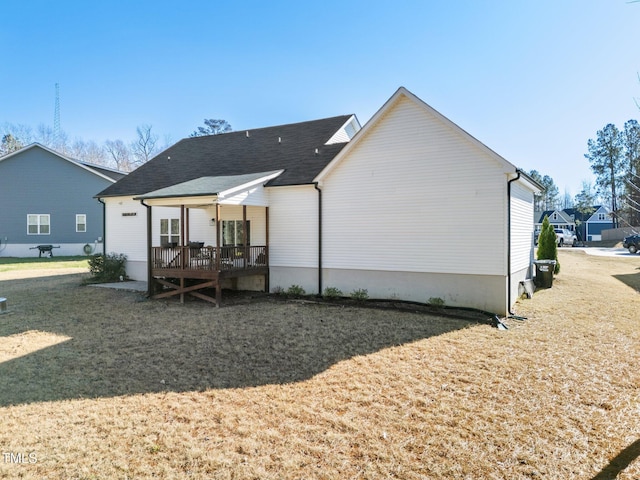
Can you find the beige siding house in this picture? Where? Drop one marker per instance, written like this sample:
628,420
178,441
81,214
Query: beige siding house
410,207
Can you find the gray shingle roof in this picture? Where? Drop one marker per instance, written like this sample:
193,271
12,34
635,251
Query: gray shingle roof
291,148
205,186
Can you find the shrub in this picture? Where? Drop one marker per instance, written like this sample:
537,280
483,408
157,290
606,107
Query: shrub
331,292
296,291
548,244
277,290
108,268
360,295
436,302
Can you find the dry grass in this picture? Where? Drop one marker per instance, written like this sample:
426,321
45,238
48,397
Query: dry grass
104,384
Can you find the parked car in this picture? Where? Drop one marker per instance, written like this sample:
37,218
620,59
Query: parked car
565,237
632,242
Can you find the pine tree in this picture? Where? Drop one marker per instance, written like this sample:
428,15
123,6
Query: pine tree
547,244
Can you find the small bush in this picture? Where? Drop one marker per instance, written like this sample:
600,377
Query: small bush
277,290
331,292
436,302
360,295
108,268
548,244
296,291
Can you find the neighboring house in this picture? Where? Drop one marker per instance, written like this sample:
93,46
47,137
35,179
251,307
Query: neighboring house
588,227
47,198
557,218
326,204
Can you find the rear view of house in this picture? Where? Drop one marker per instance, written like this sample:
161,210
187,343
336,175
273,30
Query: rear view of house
410,207
46,198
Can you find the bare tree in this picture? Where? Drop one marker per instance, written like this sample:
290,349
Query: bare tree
145,146
89,152
119,153
46,136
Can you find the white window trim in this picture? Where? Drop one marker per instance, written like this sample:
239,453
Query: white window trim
78,215
38,224
171,236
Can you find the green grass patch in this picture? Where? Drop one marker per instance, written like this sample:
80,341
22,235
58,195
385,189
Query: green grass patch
15,263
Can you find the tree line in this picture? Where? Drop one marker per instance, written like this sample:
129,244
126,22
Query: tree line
117,154
614,156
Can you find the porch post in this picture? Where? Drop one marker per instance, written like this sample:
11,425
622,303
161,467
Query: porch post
182,225
150,283
266,253
218,249
244,235
186,226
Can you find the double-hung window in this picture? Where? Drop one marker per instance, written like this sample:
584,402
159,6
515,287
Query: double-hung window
38,224
169,231
233,233
81,223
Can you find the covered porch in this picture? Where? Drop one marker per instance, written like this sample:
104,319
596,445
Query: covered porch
217,238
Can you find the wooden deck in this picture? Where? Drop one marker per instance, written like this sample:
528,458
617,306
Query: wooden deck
204,267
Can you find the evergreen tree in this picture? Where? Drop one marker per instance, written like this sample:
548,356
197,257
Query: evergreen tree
608,164
548,244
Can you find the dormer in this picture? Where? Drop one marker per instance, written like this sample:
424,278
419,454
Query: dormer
346,132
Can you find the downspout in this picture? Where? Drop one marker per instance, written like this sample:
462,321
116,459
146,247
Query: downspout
150,288
509,182
104,226
315,184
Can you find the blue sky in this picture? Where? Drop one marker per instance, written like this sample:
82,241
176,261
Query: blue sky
533,80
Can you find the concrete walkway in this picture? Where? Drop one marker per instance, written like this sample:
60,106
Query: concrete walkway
130,286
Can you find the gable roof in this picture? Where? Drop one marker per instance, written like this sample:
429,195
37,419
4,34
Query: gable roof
564,215
573,214
104,172
206,186
395,98
299,149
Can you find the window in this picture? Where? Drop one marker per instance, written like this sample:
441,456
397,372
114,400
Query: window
169,231
555,216
81,223
602,216
232,234
38,224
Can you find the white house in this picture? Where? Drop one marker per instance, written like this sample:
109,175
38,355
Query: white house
410,206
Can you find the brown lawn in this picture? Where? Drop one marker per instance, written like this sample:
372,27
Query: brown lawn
96,383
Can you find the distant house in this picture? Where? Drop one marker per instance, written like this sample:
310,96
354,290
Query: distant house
557,218
46,198
588,227
326,203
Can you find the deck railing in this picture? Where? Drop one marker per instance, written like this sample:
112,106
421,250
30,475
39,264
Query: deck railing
218,259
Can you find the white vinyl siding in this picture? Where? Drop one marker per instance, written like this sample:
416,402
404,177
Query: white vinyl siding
414,195
126,227
38,224
81,223
521,227
293,226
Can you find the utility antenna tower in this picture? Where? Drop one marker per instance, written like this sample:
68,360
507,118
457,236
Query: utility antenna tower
56,118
